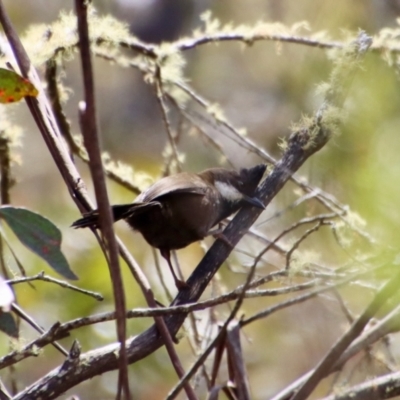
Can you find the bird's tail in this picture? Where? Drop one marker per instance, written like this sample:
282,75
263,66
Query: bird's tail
119,211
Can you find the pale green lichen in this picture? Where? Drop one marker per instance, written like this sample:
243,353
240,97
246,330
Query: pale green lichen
282,144
344,229
172,64
125,172
213,28
302,259
215,110
168,154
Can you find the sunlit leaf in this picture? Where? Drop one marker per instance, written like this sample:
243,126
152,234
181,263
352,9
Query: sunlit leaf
40,235
8,324
14,87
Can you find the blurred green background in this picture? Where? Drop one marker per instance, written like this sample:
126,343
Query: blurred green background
263,88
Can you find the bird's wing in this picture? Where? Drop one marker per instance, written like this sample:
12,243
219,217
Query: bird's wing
122,211
193,184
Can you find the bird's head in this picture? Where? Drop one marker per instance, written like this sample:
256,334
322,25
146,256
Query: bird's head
236,188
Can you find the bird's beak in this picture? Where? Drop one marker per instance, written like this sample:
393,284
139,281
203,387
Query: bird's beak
254,201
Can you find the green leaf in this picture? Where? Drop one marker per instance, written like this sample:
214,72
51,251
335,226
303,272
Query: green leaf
8,324
14,87
40,235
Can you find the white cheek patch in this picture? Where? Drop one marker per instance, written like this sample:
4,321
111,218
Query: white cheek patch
228,192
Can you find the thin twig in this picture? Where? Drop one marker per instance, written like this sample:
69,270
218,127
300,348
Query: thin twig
76,148
164,112
6,181
41,276
297,243
23,315
92,144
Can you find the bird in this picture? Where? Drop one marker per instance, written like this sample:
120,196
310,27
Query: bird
180,209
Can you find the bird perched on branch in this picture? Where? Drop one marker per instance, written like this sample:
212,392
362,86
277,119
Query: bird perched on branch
181,209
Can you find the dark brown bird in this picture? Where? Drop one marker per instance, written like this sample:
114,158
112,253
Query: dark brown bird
181,209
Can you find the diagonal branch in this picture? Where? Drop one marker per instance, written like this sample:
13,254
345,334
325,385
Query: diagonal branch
301,146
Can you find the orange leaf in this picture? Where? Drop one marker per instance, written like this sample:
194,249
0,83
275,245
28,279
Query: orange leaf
14,87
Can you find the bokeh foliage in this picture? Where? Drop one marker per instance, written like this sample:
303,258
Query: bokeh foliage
263,86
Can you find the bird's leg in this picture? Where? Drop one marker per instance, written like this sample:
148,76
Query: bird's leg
217,234
216,231
178,283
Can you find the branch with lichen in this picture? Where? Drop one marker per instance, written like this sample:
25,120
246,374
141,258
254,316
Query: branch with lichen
302,144
58,41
